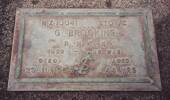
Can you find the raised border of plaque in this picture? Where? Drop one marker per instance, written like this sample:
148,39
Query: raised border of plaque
150,83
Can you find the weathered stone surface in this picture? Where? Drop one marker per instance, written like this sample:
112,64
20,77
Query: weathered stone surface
84,49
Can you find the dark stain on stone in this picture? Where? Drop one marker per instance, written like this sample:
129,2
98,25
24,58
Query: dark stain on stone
34,2
108,3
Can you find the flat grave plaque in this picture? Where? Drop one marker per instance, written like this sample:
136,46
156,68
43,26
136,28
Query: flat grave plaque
84,49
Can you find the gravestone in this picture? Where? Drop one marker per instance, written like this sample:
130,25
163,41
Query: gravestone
84,49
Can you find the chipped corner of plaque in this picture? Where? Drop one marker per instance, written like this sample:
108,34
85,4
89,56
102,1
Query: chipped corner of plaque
155,83
158,85
18,10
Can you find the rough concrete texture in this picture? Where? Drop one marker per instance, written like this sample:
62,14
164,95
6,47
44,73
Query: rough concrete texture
161,14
